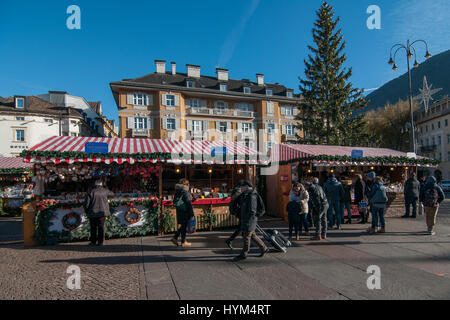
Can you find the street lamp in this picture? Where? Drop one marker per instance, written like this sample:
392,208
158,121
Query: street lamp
409,49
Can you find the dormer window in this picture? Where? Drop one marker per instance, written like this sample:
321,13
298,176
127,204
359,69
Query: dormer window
269,92
223,87
190,84
20,103
289,94
247,90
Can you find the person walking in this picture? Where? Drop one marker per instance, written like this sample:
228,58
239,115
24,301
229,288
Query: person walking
294,209
422,184
347,200
251,208
411,192
431,196
319,206
300,195
378,200
235,210
334,192
360,187
183,204
96,207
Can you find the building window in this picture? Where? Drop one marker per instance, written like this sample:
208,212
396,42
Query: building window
223,126
448,156
73,134
20,118
195,103
269,92
432,126
220,105
270,145
20,135
270,109
170,100
446,122
270,128
439,140
247,90
288,111
48,120
246,127
20,103
289,130
290,94
190,84
197,125
243,106
448,138
139,99
223,87
171,124
426,128
439,124
421,131
140,123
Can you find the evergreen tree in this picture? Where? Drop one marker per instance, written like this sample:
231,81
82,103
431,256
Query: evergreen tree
327,113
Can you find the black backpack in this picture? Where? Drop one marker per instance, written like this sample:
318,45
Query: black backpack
261,207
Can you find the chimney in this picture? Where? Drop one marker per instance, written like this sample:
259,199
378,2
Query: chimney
174,67
222,74
193,71
260,78
160,66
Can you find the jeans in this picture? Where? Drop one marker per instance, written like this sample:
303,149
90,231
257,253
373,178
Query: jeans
235,233
431,213
97,229
294,223
182,231
320,222
412,202
347,206
378,217
304,222
336,206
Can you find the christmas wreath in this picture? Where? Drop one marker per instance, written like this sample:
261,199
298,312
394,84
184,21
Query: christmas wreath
132,216
71,221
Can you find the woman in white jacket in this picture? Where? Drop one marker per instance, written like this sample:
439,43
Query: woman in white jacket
300,195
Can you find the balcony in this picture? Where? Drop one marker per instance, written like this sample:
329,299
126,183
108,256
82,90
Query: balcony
431,148
140,133
221,112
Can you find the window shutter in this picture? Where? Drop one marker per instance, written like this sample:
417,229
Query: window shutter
205,125
130,98
188,103
164,123
130,123
149,100
150,123
177,100
218,125
283,129
203,103
189,125
283,110
177,124
294,111
239,127
163,100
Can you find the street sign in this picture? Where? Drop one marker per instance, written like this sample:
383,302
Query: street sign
96,147
357,154
218,151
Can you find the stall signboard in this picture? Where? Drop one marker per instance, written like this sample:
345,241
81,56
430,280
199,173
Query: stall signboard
96,147
284,178
218,151
358,154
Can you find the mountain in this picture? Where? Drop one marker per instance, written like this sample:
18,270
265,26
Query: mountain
437,71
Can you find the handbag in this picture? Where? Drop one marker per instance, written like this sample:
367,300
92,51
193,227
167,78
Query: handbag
180,205
191,225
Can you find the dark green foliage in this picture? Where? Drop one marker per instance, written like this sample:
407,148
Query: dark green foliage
330,101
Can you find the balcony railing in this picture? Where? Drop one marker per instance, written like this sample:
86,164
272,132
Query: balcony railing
140,133
222,112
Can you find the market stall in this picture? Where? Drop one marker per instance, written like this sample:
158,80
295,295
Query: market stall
298,162
142,173
15,175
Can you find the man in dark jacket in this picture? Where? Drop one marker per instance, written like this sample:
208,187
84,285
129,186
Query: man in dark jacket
249,220
319,206
96,207
360,195
235,210
335,192
431,196
411,192
185,213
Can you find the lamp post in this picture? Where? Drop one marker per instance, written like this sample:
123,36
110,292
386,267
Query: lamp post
409,46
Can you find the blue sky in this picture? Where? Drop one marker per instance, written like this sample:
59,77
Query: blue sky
121,39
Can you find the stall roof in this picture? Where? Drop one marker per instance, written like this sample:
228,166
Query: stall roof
339,155
73,149
13,165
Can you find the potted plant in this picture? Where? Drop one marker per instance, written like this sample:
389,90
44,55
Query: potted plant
209,218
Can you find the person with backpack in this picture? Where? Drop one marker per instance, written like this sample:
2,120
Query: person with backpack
411,192
431,196
318,206
251,208
183,204
235,209
378,200
335,192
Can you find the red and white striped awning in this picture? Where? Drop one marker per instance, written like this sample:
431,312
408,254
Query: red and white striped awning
14,163
61,149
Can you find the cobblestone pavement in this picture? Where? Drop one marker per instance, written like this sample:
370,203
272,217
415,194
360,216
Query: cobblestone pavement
40,273
413,266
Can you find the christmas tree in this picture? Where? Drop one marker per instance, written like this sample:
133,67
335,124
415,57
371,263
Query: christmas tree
330,101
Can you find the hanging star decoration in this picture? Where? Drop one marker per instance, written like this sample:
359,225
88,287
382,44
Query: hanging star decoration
426,94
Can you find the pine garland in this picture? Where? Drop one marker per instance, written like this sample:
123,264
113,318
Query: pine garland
83,155
20,171
385,160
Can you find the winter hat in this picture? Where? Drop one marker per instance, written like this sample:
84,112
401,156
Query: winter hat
372,175
246,183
